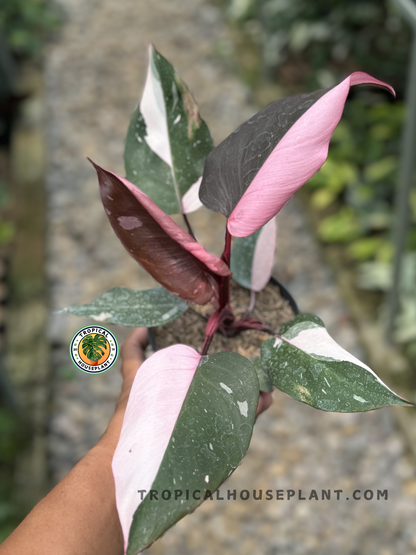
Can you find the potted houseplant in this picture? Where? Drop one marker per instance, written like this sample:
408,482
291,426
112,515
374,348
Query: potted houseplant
191,410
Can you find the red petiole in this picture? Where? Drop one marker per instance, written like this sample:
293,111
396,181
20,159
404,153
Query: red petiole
223,318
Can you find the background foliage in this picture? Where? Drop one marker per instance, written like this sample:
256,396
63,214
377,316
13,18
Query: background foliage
26,24
324,37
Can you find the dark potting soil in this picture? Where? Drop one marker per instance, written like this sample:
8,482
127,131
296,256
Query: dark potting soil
270,307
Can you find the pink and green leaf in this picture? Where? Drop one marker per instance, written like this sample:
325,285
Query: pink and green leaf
252,257
307,364
251,175
187,426
167,141
157,243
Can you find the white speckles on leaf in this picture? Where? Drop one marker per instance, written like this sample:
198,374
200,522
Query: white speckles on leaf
303,391
359,399
129,222
226,388
169,314
207,478
243,408
177,119
102,317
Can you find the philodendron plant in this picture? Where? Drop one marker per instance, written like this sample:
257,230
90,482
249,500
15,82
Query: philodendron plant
190,415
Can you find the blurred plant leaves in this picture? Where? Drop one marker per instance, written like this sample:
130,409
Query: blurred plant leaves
340,227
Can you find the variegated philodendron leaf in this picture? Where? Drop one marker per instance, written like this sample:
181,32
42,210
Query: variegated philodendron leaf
187,425
265,382
307,364
170,255
252,257
167,141
149,307
251,175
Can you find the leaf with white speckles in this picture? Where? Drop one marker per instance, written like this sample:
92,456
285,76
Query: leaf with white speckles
149,307
183,430
167,141
307,364
265,382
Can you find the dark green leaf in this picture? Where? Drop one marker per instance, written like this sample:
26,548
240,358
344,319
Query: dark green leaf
265,382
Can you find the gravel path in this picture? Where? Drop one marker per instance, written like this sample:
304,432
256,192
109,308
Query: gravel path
94,77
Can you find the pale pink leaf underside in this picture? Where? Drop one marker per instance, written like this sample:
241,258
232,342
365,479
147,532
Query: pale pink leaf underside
296,158
263,256
155,401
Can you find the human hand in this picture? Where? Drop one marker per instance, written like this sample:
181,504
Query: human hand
132,354
265,400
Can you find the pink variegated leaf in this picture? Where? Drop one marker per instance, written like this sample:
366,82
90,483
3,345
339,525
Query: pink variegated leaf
252,257
187,425
157,243
251,175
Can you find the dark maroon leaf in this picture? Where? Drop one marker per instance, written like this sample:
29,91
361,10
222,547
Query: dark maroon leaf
157,243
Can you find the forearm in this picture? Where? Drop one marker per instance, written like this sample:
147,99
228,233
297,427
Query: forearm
79,516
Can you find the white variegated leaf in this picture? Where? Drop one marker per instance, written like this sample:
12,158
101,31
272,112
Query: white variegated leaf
167,141
307,364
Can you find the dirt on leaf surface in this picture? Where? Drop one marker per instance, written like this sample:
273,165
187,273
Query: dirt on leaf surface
270,307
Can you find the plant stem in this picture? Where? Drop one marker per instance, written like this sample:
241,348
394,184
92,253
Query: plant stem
252,303
225,284
224,313
188,225
206,344
211,327
227,250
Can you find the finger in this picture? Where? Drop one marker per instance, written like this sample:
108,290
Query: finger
265,400
132,351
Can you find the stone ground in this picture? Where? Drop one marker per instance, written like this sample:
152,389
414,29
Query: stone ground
95,73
